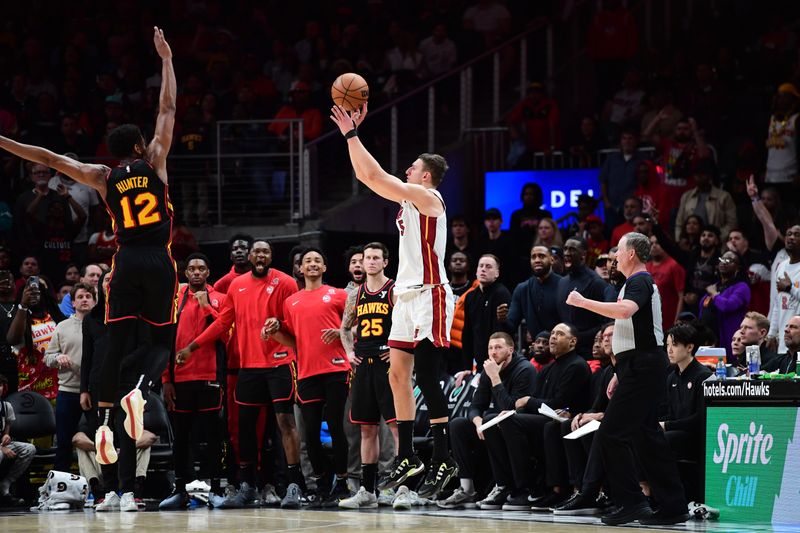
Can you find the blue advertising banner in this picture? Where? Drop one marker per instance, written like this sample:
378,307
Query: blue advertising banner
560,189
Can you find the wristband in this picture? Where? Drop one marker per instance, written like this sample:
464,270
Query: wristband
21,308
350,134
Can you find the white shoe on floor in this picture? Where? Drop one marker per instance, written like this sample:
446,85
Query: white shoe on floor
128,503
109,503
360,500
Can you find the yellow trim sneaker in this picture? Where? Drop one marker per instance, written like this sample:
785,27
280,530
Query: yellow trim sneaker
133,405
104,444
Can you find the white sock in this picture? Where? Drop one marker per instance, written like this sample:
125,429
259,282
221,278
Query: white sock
468,486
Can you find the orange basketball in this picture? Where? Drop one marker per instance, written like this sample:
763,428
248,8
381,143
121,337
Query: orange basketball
350,91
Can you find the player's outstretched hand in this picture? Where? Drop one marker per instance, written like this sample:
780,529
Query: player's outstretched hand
162,47
344,121
358,115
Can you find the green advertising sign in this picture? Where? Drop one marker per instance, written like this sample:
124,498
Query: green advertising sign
747,475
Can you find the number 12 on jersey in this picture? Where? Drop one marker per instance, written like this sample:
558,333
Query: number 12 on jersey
146,215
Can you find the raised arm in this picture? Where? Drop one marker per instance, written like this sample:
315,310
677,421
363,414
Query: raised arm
92,175
162,138
369,172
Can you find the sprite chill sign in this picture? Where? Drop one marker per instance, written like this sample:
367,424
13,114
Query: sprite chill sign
748,476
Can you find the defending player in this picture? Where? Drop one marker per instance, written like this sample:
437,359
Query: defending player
143,275
423,314
369,309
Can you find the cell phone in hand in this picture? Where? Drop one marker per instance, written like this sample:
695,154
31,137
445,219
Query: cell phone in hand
33,281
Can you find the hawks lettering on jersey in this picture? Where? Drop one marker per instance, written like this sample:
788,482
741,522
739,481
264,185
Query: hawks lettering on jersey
422,246
373,318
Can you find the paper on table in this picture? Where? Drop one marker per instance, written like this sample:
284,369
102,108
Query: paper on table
496,420
546,410
585,429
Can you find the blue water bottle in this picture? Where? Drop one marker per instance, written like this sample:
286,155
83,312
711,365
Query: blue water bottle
721,371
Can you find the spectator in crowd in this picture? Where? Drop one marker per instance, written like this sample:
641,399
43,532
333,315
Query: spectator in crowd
585,144
783,141
354,256
670,278
596,242
548,234
439,52
536,299
562,385
298,107
192,390
8,361
663,113
631,207
403,62
480,311
455,356
618,179
584,463
737,349
30,332
753,332
488,18
20,454
723,308
535,123
193,146
684,408
677,157
615,278
700,264
458,268
505,378
498,243
601,267
541,351
581,278
102,244
787,362
524,225
39,176
86,198
611,42
460,239
689,233
781,213
643,223
64,352
786,299
587,205
89,275
625,106
737,242
709,100
712,204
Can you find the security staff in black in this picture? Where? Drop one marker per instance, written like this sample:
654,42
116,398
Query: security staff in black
144,291
631,418
369,310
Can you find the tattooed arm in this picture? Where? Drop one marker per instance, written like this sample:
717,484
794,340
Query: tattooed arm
346,331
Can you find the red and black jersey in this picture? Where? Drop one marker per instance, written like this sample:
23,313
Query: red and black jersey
232,346
139,205
306,313
373,318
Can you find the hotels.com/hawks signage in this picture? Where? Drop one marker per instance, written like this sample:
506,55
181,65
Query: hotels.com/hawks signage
748,476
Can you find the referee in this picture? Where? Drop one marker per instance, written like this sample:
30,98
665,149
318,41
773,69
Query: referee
631,419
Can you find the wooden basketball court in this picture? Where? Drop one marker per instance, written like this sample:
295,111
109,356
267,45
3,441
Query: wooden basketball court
275,520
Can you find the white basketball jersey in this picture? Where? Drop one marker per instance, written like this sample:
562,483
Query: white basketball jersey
422,247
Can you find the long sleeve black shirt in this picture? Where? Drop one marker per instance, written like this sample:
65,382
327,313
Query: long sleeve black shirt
590,285
480,320
517,380
537,302
684,398
563,384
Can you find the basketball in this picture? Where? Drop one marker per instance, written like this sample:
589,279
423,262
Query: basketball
350,91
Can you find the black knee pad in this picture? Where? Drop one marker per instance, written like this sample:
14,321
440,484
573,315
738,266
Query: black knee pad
427,369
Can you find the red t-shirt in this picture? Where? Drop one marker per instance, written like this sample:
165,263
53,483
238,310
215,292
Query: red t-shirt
670,279
232,346
202,365
249,303
675,170
306,314
620,231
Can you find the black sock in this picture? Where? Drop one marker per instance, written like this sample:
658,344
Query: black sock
368,474
247,473
405,434
104,416
440,451
216,486
180,484
296,476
